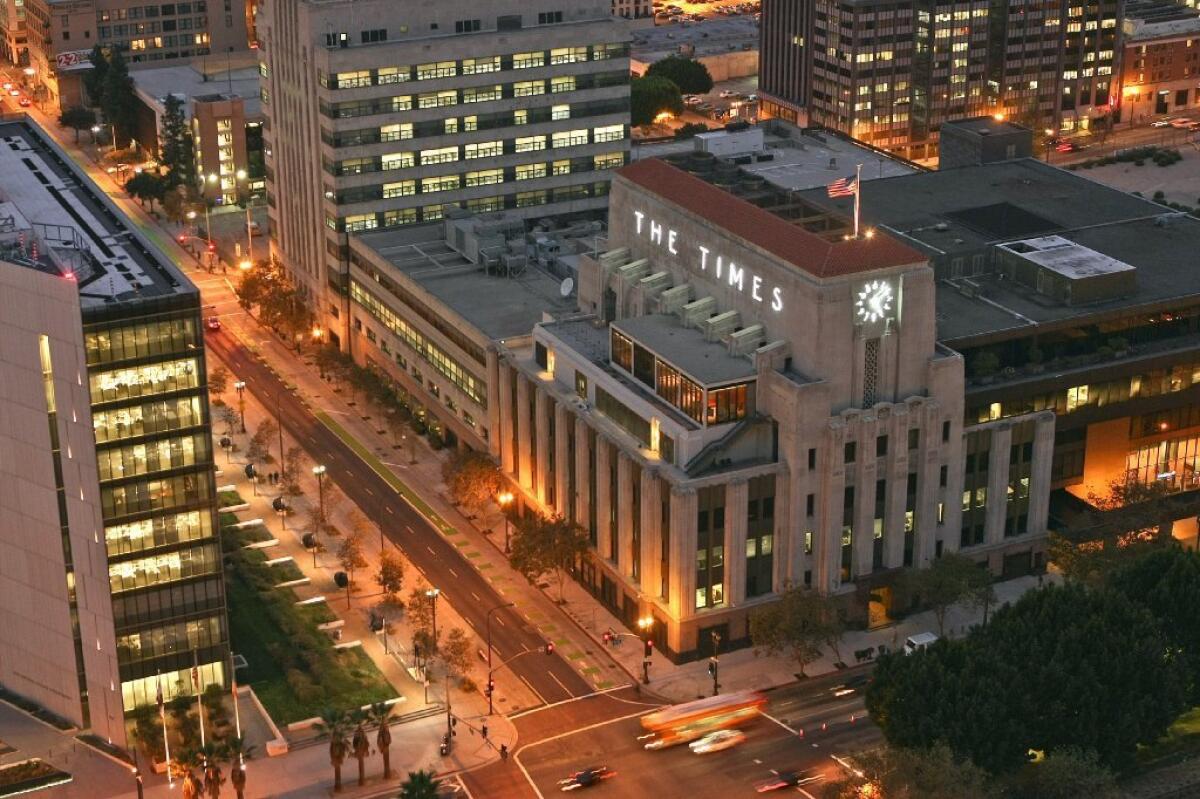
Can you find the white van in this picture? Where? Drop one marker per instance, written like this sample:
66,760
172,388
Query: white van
915,643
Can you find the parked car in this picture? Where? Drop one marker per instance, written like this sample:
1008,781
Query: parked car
24,102
915,643
1161,123
213,323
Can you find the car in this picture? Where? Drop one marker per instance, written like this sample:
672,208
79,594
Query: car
14,92
1180,123
1161,123
717,741
213,323
7,86
786,779
727,93
24,102
586,778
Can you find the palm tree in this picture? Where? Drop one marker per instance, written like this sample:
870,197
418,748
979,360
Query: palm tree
333,723
419,785
183,766
360,745
381,714
212,753
238,752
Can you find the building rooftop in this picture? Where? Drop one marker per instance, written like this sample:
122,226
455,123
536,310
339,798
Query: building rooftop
1066,258
708,362
713,36
773,220
965,209
155,83
986,125
499,305
1139,12
1163,26
55,219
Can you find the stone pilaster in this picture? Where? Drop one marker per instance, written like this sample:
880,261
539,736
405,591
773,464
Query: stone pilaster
564,431
604,531
737,494
543,408
524,437
624,532
504,432
998,471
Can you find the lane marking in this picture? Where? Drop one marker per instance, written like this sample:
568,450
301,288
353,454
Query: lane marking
577,699
780,723
476,596
499,620
368,490
389,509
560,685
453,573
431,552
407,527
541,698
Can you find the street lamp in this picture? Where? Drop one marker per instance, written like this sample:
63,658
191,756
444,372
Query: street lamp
490,688
240,386
645,624
319,473
1049,134
505,499
433,593
241,176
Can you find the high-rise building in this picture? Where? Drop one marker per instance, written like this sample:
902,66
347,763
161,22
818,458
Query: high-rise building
1160,63
142,510
890,73
14,45
379,116
67,30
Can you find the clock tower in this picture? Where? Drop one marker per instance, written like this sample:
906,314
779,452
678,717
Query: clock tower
874,316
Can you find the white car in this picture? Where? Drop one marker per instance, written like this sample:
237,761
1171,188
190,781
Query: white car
727,93
717,741
1161,123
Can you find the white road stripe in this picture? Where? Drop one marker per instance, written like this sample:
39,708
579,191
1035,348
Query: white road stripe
431,552
452,572
389,509
560,685
476,596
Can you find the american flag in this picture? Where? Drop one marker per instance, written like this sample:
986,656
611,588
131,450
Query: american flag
843,187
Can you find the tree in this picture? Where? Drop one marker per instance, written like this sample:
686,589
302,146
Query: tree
545,545
229,418
650,96
93,79
360,746
1055,670
1066,774
798,624
473,479
176,148
420,785
456,652
419,610
381,715
1166,582
950,579
218,381
118,101
256,452
265,434
145,187
689,75
211,754
932,773
289,470
391,574
77,118
333,724
238,753
350,553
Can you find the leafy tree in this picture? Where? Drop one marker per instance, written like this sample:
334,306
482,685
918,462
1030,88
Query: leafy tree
950,579
238,753
333,724
93,79
419,610
289,470
391,574
932,773
229,418
350,553
420,785
256,452
218,381
456,652
650,96
688,74
548,545
798,624
146,188
690,129
473,479
1066,774
176,203
117,100
77,118
266,434
176,148
1166,581
1055,670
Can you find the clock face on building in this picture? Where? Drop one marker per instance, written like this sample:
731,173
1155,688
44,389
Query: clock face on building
874,301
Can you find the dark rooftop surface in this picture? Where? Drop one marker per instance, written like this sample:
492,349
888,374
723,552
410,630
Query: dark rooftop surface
985,124
707,362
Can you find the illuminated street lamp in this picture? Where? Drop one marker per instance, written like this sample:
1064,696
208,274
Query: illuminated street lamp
241,176
319,473
433,594
505,499
645,624
240,386
245,265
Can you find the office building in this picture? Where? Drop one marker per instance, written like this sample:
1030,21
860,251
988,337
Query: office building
149,487
890,73
639,12
68,30
14,45
1160,66
414,112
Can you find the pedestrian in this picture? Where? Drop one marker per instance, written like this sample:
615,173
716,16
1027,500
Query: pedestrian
504,751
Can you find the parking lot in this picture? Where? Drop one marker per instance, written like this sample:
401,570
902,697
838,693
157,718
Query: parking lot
667,12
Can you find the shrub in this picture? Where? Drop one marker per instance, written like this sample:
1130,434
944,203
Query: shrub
1159,195
303,686
1139,162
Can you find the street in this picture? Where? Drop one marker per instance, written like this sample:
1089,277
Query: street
550,677
603,730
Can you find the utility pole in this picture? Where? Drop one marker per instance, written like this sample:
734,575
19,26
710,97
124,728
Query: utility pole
491,686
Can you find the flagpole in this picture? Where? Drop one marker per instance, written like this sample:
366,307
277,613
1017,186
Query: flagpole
196,686
857,192
237,717
162,713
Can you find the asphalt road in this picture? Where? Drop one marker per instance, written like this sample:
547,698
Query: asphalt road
549,676
603,730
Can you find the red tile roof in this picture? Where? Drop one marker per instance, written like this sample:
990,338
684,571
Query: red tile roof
764,229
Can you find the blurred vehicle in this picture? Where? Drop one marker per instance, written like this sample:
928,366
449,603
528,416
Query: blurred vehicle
1070,146
1180,123
586,778
691,720
14,92
213,323
717,741
856,683
786,779
24,102
915,643
1161,123
7,86
727,93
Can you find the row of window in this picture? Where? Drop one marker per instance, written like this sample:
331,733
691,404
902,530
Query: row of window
150,11
142,420
383,76
160,531
145,380
170,639
466,96
108,345
164,493
168,567
168,453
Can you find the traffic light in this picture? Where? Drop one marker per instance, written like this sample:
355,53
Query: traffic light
549,649
712,668
491,686
608,637
212,247
649,647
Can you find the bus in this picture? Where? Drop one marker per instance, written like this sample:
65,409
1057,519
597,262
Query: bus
691,720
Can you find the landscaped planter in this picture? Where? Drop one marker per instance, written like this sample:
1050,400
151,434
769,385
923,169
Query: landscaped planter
30,775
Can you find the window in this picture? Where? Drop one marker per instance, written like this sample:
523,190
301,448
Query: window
608,133
400,188
563,84
581,384
487,149
881,445
550,17
849,453
568,55
439,69
360,222
609,161
437,99
478,66
528,60
520,117
562,167
525,144
570,138
440,155
560,112
530,171
528,88
376,35
914,438
482,94
485,177
443,183
395,161
385,75
466,26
